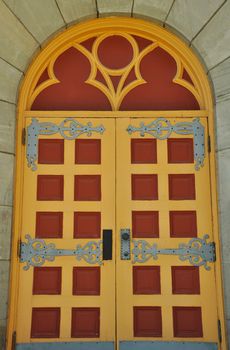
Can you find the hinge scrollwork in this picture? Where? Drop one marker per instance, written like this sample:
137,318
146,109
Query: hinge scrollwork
35,252
162,128
69,129
198,252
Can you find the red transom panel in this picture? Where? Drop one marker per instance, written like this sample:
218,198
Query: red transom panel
73,89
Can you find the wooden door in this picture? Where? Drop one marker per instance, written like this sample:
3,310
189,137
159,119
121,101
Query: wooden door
66,293
113,247
166,293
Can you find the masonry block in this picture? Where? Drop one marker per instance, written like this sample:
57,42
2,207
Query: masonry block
6,178
37,15
222,125
213,41
224,201
220,77
9,81
17,45
5,232
7,127
157,9
121,7
226,267
188,17
4,282
73,10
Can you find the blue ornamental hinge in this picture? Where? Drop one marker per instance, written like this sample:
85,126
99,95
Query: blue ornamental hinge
69,129
36,251
197,251
161,128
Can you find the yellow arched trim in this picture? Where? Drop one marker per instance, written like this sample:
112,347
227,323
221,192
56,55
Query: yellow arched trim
102,28
185,59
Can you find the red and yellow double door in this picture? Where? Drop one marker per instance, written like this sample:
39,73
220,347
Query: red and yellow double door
116,236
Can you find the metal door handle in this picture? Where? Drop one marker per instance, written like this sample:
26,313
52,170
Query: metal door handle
125,244
107,244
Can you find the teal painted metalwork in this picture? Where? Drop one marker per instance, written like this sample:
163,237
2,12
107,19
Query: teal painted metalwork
69,129
197,251
158,345
36,251
66,346
161,128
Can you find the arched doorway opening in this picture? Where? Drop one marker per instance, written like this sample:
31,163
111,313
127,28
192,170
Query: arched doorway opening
115,198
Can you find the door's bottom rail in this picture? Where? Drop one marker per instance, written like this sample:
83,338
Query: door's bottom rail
164,345
36,251
99,345
197,251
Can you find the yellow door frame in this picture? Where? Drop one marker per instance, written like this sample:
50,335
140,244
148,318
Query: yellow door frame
46,59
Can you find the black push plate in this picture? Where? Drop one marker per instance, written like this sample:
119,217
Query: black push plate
107,244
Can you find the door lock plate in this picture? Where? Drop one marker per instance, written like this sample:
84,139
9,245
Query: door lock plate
125,244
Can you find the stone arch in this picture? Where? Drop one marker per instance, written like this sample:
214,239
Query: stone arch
209,25
189,74
187,71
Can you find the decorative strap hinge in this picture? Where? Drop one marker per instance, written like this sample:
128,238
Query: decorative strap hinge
35,252
162,128
69,129
197,251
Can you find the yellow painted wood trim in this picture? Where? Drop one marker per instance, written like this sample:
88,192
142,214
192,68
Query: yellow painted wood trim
83,31
72,37
117,114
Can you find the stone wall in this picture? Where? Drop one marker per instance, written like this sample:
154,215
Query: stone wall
26,25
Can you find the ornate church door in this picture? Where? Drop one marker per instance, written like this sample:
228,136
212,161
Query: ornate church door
68,210
116,238
115,217
165,272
